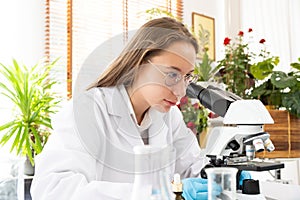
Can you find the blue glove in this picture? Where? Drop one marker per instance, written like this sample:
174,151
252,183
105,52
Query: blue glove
196,189
244,175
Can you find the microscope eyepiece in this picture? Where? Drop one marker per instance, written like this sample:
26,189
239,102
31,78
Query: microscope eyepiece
234,145
210,98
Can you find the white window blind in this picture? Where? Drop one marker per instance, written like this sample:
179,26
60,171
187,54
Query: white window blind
94,23
74,29
56,40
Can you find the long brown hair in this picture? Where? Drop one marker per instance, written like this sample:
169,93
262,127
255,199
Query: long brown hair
153,37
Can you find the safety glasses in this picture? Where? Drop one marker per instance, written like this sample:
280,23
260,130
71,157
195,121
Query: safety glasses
172,78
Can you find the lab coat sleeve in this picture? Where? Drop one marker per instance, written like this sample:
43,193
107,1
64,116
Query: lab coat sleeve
71,174
189,160
67,170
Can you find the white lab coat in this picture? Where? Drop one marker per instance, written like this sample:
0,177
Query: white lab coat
90,154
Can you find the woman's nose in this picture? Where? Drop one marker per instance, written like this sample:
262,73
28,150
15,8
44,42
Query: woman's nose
179,90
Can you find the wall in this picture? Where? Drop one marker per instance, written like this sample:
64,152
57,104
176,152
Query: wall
22,31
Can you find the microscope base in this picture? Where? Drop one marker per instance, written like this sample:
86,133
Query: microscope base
250,197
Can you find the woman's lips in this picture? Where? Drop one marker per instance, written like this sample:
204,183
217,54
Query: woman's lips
171,103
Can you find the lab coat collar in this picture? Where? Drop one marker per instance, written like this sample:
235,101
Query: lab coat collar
116,104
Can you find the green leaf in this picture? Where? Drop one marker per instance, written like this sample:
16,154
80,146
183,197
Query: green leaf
292,102
296,65
28,150
17,138
38,144
7,125
25,135
282,80
263,69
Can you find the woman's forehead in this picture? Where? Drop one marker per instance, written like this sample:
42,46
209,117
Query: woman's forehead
178,55
182,51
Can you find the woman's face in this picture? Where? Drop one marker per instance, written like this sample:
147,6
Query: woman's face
159,84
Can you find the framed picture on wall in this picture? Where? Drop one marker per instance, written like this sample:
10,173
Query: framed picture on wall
205,24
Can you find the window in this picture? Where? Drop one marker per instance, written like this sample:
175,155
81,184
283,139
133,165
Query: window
74,29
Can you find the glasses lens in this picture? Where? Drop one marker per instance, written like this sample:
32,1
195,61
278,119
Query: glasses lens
190,79
172,78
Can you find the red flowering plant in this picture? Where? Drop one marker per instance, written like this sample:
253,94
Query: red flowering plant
265,63
194,114
239,58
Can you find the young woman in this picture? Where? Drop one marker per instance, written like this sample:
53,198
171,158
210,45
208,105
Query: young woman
90,155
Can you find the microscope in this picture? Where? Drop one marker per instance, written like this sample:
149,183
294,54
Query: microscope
234,142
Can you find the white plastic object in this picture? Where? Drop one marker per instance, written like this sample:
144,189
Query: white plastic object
223,177
247,112
177,178
269,145
177,185
258,145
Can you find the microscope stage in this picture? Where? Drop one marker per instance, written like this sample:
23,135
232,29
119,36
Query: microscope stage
256,166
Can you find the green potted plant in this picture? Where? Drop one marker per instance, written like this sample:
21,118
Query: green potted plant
279,89
158,12
205,70
30,92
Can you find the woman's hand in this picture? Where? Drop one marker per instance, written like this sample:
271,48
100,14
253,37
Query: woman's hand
196,189
244,175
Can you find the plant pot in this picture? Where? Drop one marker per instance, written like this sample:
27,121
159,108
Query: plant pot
285,135
28,168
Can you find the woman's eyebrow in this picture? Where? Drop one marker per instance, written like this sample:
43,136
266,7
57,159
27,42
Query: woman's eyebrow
178,69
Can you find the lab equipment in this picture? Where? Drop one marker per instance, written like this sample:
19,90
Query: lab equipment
225,179
151,181
250,152
242,125
250,186
177,187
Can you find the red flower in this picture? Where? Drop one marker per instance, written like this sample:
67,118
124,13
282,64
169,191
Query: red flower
250,30
262,41
196,106
226,41
241,33
191,125
184,100
212,115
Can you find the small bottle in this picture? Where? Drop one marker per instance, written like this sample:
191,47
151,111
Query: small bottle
177,187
